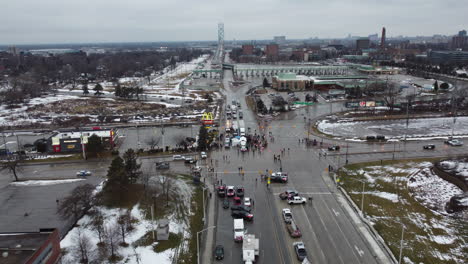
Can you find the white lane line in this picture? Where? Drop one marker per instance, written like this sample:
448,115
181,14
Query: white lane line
335,212
359,251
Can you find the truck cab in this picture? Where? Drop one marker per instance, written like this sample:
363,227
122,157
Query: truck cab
238,230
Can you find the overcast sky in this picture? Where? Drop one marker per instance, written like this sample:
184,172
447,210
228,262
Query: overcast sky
68,21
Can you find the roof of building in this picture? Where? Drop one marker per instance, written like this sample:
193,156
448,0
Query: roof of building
290,76
84,133
20,246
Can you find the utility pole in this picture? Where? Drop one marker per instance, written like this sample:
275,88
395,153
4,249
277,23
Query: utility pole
401,243
362,198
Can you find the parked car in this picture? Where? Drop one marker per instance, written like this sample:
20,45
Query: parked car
429,146
178,157
219,252
230,191
242,214
454,142
300,250
281,177
240,191
297,200
222,190
225,203
241,115
247,201
203,155
293,230
288,193
237,201
334,148
162,165
190,160
287,215
83,173
241,208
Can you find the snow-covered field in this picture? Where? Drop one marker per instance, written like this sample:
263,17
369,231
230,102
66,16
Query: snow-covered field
44,182
133,253
424,127
417,199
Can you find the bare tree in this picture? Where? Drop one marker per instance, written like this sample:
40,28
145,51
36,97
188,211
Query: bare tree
390,95
112,240
12,165
98,225
125,225
153,141
77,203
83,247
167,187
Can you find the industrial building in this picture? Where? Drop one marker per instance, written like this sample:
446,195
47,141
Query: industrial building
30,247
72,141
291,82
247,49
272,50
363,43
448,57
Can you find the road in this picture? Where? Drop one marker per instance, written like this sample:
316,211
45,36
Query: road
328,232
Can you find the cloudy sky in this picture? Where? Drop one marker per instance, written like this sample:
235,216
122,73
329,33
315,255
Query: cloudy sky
68,21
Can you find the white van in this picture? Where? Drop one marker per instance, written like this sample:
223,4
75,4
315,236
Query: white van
238,230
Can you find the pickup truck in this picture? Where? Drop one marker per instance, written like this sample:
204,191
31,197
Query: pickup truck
297,200
287,215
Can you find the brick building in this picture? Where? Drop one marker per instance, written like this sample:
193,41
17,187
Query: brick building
30,248
291,82
247,49
272,50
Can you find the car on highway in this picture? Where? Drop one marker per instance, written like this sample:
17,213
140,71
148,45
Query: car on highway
334,148
241,208
288,193
240,191
241,115
454,142
219,252
299,249
203,155
429,146
162,165
287,215
178,157
242,214
247,201
225,203
279,176
83,173
237,201
297,200
293,230
230,191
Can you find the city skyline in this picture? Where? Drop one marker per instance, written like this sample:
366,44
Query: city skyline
52,21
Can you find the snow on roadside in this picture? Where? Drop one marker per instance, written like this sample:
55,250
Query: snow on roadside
44,182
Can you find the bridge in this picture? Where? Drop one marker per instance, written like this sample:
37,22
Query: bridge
302,70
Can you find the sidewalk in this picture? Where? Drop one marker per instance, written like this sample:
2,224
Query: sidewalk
208,237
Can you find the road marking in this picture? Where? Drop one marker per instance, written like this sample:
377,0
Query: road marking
359,251
335,212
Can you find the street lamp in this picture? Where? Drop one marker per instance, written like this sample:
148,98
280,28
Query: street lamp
198,246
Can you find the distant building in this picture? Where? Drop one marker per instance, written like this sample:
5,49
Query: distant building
30,248
247,49
460,41
279,39
272,50
291,81
72,141
448,57
363,43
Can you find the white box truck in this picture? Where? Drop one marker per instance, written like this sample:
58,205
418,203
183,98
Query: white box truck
239,230
250,248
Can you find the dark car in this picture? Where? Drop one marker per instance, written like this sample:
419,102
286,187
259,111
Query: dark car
189,160
237,201
219,252
225,203
288,193
239,191
221,190
162,165
334,148
429,146
242,214
280,177
241,208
